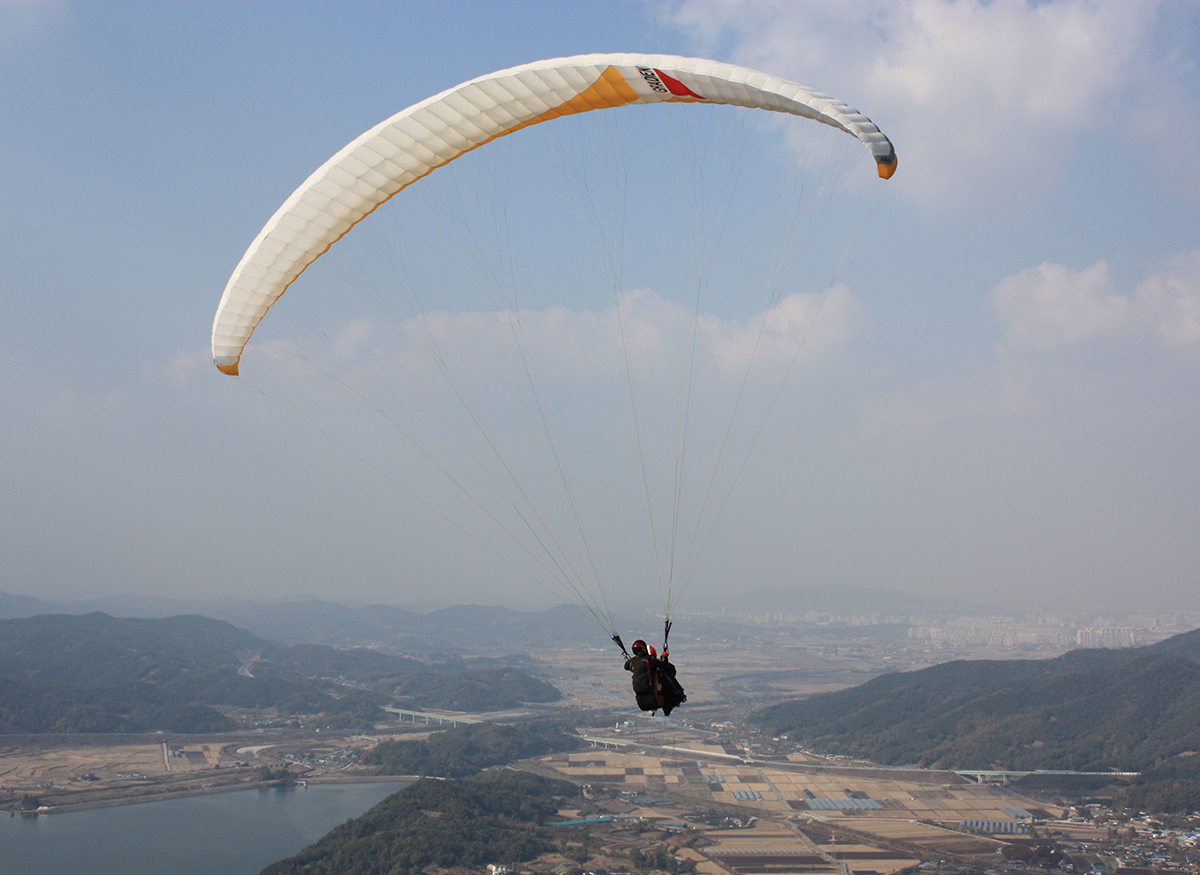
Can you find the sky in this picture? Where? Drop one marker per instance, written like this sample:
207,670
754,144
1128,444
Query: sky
997,402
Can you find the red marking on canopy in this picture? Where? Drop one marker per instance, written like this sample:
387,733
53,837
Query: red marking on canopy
676,87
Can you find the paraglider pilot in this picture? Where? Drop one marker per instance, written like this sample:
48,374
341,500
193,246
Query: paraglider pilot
654,682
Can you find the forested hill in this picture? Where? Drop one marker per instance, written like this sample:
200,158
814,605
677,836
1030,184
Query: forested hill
96,673
1086,710
92,649
496,817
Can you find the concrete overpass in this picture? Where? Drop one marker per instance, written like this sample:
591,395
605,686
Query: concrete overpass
401,713
999,776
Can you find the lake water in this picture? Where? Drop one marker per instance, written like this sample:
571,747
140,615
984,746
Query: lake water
235,833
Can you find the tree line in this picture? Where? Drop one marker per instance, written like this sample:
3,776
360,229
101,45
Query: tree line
466,750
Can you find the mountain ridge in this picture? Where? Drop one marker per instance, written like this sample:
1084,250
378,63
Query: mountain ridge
1087,710
93,672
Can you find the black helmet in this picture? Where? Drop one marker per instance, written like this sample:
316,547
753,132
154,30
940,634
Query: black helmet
639,646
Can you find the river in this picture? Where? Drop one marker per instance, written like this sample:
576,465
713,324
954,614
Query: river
236,833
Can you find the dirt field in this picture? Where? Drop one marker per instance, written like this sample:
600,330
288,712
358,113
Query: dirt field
726,813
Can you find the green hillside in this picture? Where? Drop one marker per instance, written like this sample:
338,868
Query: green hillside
496,817
465,750
1089,710
96,673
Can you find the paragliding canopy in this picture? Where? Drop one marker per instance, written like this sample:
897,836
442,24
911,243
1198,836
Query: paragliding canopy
434,132
544,429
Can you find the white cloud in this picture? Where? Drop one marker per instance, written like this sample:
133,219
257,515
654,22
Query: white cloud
1068,333
566,347
186,365
798,325
1172,300
1053,307
62,405
70,407
21,20
465,392
979,97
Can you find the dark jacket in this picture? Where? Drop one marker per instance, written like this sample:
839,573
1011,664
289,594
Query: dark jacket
654,683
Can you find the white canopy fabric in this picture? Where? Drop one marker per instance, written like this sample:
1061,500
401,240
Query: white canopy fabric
415,142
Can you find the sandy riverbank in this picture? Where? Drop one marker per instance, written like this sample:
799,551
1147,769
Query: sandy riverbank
164,795
73,772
